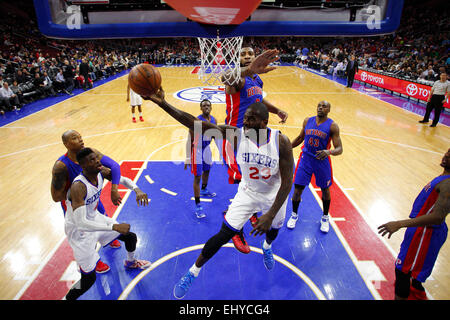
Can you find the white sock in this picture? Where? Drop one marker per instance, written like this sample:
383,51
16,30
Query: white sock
195,270
130,256
133,116
294,214
140,114
266,245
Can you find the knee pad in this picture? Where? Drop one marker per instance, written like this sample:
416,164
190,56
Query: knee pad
130,240
217,241
402,284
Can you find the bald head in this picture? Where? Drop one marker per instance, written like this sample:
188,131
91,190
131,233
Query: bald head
66,135
323,108
72,140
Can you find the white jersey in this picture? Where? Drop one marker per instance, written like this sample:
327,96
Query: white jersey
92,196
260,164
260,181
83,243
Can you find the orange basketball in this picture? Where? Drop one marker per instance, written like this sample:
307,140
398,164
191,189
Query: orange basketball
144,79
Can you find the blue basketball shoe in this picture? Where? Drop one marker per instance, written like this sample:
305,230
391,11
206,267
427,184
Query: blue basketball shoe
182,287
268,260
206,193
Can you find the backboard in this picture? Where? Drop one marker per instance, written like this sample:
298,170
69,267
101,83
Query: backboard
94,19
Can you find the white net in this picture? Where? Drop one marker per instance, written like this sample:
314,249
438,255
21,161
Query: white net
220,57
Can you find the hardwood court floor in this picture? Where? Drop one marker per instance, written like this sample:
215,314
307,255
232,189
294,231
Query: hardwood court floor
388,157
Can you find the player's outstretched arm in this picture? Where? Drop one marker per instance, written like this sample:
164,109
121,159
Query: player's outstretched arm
436,217
258,66
286,165
187,119
59,180
283,115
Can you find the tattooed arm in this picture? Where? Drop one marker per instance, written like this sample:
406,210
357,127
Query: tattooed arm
59,180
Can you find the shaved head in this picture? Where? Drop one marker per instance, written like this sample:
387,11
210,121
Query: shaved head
72,140
66,135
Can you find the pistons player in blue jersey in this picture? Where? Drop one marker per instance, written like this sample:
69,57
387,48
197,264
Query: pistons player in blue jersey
317,134
66,169
239,96
426,232
198,155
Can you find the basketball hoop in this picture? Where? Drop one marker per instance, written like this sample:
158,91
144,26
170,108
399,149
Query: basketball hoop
220,57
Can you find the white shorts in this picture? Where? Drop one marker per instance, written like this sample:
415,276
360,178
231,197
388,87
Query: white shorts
247,202
135,99
84,244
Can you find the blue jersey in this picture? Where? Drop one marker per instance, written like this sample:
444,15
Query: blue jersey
317,137
206,140
420,246
426,199
201,157
238,103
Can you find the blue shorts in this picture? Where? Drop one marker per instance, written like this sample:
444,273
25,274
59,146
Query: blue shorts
308,165
419,250
201,161
198,169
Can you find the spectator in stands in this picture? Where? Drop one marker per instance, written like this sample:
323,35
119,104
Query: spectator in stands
10,99
38,83
16,90
20,77
60,82
428,74
48,84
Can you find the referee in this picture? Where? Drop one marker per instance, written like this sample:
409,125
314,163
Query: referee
439,93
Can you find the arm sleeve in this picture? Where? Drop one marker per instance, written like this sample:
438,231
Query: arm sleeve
128,183
115,168
84,224
188,147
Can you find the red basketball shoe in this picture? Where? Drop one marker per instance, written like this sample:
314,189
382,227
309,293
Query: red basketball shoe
240,243
416,294
115,244
101,267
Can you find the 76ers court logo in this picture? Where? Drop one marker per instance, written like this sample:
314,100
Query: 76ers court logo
215,94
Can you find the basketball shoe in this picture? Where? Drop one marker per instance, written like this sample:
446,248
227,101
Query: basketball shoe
115,244
101,267
325,223
292,221
137,264
416,294
206,193
268,260
199,211
182,287
141,119
240,243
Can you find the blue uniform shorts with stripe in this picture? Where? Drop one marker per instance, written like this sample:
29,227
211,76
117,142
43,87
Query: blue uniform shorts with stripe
308,165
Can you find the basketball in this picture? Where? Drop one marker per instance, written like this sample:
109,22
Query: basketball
144,79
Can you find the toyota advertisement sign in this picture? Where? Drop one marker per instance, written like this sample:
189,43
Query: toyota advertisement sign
412,89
